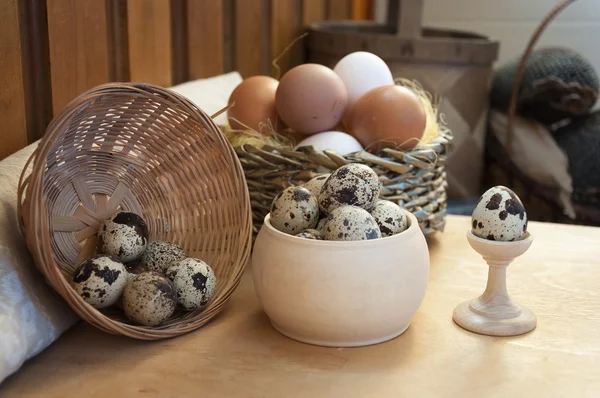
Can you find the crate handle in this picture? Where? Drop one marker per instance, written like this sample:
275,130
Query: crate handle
404,17
512,107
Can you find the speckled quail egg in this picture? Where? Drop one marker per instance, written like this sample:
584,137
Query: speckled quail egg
321,224
149,299
315,184
135,268
194,281
124,235
293,210
351,223
390,217
499,215
310,234
159,256
100,280
353,184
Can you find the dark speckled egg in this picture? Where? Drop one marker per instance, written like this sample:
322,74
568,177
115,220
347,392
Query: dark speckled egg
100,280
499,215
293,210
195,282
310,234
149,299
124,236
353,184
390,217
159,256
351,223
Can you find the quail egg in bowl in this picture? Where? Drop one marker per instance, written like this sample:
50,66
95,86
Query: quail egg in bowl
341,293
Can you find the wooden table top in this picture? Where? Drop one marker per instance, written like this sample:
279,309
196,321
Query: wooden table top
240,355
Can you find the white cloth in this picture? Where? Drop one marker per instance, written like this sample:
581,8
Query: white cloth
32,315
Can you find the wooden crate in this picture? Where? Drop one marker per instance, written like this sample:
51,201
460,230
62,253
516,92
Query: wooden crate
456,66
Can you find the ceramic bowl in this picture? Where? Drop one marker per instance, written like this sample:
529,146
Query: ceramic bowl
340,294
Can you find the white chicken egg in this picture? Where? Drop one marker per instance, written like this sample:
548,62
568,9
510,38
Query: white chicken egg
337,141
353,184
361,72
314,185
100,280
351,223
195,282
293,210
499,215
390,217
149,298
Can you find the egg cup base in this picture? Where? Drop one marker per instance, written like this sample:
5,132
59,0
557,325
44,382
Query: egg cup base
465,317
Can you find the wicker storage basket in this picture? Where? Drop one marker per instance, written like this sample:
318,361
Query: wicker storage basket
542,202
453,65
144,149
414,179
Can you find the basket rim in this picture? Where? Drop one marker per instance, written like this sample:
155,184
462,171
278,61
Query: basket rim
31,188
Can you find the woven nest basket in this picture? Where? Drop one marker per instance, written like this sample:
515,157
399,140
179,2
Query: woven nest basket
139,148
414,179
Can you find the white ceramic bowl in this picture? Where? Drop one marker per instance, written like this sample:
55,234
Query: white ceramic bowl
340,294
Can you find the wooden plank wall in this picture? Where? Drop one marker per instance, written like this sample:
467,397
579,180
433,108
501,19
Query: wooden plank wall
54,50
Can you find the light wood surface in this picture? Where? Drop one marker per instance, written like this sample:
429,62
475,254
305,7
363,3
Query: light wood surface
240,355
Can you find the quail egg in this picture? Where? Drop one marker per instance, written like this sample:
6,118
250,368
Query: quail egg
321,224
159,256
194,281
390,217
135,268
149,299
310,234
293,210
315,184
353,184
100,280
124,236
351,223
499,215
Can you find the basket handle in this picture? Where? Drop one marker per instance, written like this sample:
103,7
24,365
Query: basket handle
405,16
512,107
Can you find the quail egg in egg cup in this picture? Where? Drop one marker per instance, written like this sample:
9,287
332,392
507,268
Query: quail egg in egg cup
352,293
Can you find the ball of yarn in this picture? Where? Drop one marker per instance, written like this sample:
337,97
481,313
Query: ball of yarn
558,83
581,142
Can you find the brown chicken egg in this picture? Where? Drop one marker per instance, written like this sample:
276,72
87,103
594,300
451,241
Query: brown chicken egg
388,116
253,104
311,98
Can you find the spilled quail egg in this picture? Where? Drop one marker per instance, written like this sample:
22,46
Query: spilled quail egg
315,184
159,256
124,236
499,215
194,281
321,224
390,217
149,299
100,280
353,184
351,223
293,210
310,234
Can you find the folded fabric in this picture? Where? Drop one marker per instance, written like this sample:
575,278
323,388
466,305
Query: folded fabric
32,315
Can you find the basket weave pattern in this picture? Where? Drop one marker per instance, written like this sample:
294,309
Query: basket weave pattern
414,179
139,148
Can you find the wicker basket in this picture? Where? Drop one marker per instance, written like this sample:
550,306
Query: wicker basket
144,149
414,179
543,202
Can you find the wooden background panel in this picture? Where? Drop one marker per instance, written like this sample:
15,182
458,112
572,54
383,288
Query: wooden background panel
13,134
339,9
77,32
286,25
149,33
314,11
205,38
252,51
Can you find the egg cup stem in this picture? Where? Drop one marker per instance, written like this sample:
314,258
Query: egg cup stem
494,313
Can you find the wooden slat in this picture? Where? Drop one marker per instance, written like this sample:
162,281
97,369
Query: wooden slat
339,10
179,41
13,133
251,38
205,38
313,11
78,39
286,26
149,26
118,40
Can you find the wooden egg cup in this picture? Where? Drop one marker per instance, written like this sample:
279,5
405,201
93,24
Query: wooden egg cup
494,313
